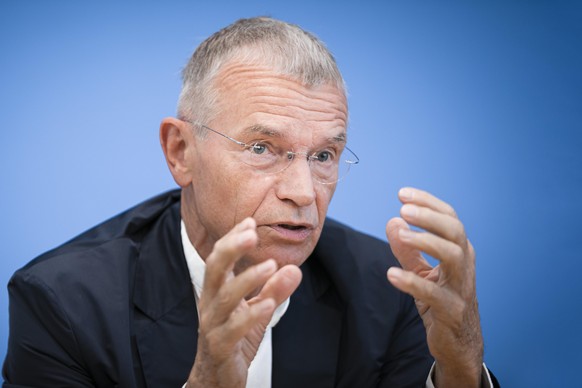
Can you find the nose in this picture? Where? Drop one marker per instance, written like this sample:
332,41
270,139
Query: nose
296,183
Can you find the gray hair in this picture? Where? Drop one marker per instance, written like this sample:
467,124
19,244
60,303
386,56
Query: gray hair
285,47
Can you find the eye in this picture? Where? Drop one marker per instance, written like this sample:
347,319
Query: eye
258,148
324,156
261,154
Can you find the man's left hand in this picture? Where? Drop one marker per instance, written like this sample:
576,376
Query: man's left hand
445,295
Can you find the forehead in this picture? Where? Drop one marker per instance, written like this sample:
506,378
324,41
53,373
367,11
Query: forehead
252,96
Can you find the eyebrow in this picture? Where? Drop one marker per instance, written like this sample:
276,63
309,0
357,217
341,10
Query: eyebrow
263,130
341,138
270,132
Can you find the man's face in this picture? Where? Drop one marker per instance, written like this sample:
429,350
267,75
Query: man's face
255,103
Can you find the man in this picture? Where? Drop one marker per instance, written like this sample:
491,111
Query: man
238,279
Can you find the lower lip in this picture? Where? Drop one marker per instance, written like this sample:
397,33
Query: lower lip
298,235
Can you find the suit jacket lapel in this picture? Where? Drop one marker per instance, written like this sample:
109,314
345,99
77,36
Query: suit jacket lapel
165,320
307,339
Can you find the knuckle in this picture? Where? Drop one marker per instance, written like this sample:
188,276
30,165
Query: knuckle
408,280
450,211
423,288
204,319
457,315
458,232
222,250
455,253
429,289
224,299
211,260
471,250
254,313
254,273
222,246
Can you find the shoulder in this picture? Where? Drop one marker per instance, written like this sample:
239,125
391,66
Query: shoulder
101,257
67,304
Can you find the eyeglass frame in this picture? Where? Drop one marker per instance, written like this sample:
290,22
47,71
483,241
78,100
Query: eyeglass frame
291,153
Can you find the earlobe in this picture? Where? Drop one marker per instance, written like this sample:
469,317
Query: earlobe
175,138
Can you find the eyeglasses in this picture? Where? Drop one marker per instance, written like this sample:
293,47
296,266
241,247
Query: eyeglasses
327,166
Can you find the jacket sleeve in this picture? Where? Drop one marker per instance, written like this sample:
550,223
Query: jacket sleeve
408,360
42,349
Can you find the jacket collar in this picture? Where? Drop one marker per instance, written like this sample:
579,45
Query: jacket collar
307,339
165,320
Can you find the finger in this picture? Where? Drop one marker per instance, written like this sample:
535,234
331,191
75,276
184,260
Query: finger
230,248
409,257
445,305
451,255
421,289
224,337
441,224
424,198
281,285
236,289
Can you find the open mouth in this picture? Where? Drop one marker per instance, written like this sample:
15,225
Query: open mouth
291,227
292,232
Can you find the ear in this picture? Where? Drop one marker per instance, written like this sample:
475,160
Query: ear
176,138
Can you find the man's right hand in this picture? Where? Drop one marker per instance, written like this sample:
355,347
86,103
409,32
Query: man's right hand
232,328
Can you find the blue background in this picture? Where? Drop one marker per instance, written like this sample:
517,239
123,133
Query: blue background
478,102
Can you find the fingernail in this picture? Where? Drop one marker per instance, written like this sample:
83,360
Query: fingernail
409,211
405,234
246,223
405,193
267,266
245,236
394,273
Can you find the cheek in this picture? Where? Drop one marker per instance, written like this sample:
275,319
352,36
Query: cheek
253,194
324,196
234,194
217,189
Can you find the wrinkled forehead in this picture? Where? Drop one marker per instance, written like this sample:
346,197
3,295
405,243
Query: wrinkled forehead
261,95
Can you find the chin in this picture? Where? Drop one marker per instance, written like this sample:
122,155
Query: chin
295,255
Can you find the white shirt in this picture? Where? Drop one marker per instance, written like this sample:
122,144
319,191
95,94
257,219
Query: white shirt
259,375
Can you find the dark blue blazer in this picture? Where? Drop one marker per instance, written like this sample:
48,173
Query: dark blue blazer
114,307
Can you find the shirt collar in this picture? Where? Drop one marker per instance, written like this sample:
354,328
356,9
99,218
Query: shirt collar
197,268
